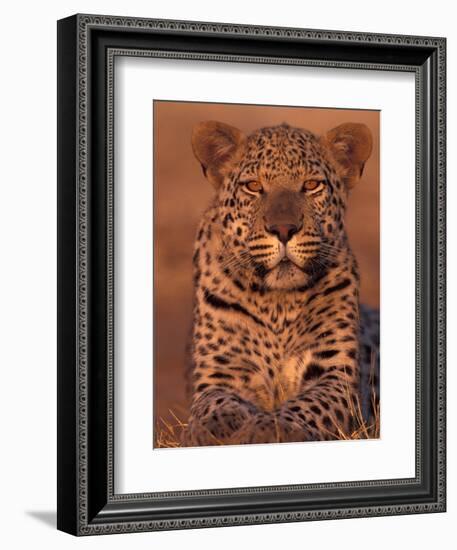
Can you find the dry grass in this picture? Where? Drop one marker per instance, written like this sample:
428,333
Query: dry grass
362,429
169,433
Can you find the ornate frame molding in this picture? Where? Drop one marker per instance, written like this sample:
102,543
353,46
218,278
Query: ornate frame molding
79,512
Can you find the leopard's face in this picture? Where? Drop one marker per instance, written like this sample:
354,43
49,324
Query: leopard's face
282,207
281,198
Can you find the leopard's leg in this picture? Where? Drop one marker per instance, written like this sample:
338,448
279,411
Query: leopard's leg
328,401
216,416
227,376
325,410
271,427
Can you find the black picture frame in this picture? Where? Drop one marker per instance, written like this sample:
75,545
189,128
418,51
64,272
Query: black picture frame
87,45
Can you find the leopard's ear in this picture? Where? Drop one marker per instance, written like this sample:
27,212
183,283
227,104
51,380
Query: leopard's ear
350,145
217,146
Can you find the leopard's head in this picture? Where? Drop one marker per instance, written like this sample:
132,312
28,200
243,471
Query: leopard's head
281,195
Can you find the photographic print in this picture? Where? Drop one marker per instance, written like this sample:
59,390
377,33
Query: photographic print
266,274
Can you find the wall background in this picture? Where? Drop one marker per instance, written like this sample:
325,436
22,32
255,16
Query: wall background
28,272
182,194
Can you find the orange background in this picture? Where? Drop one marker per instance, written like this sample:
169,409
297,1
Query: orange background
181,194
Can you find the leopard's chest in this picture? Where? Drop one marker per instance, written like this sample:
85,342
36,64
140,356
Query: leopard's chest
290,373
282,380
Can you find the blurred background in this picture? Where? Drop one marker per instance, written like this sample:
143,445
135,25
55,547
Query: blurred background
181,194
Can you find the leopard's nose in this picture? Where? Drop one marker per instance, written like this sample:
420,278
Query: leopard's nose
284,232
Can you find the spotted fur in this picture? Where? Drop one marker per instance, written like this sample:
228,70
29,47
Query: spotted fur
278,345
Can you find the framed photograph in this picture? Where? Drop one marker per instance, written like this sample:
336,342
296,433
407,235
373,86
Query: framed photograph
251,274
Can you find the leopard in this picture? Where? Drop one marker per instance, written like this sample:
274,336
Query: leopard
280,345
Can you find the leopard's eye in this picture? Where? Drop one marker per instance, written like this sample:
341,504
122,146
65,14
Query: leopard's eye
253,186
312,186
